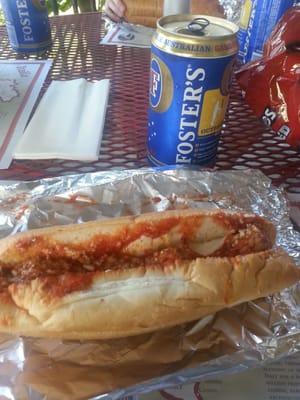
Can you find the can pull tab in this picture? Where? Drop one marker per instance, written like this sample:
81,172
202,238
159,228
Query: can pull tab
197,26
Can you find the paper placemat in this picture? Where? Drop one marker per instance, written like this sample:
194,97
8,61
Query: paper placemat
20,85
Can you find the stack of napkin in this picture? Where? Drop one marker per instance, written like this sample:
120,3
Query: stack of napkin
68,122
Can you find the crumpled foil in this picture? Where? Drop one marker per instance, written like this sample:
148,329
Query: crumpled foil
232,9
229,341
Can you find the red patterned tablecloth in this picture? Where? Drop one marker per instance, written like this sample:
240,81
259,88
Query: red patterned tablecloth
77,53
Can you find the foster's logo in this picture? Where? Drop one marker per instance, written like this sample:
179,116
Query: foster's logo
161,85
155,83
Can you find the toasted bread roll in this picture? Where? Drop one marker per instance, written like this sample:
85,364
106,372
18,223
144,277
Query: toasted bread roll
131,275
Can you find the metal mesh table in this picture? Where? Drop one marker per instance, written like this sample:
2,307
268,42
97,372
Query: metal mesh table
77,53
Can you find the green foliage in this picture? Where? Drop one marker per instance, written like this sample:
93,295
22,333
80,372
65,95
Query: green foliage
1,17
63,5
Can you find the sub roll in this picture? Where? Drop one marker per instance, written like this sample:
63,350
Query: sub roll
126,276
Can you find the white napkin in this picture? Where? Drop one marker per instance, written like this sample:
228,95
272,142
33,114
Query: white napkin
68,122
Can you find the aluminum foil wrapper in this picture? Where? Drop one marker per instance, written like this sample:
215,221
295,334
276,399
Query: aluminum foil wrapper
232,9
229,341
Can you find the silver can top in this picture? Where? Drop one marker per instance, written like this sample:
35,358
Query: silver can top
198,26
199,36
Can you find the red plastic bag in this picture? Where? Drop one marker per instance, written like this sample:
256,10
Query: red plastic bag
271,85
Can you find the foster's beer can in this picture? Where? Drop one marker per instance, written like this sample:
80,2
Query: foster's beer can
191,66
27,25
258,18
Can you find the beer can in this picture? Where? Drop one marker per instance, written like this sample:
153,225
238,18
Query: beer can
27,25
192,59
258,18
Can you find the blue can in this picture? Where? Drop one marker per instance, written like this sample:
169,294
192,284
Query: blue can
191,65
258,18
27,25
